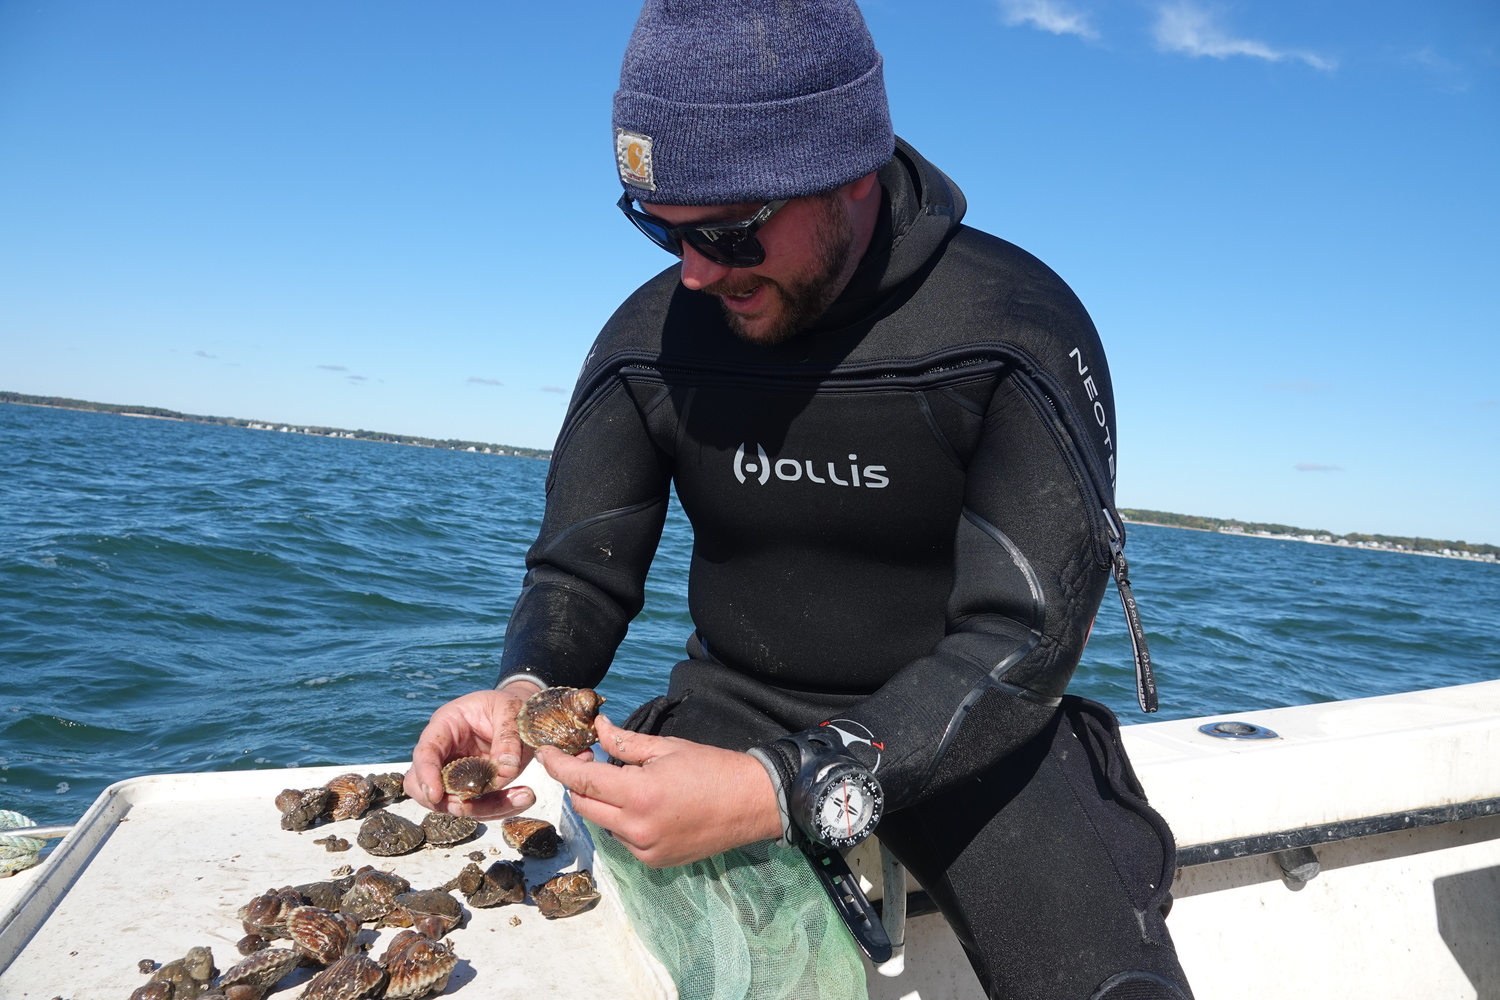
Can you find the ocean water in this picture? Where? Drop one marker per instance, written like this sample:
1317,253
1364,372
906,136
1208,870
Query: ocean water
188,597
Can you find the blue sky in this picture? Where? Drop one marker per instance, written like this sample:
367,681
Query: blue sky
399,216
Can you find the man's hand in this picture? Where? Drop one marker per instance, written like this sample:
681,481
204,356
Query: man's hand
481,724
676,801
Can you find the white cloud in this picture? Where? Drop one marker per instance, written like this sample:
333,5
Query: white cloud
1185,27
1048,15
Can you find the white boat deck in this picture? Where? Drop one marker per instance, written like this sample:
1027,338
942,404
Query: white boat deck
160,864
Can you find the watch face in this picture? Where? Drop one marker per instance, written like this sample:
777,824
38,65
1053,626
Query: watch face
846,805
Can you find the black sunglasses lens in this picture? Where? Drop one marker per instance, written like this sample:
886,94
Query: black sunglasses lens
657,234
730,247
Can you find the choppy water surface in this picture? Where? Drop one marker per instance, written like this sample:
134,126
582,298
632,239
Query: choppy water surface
187,597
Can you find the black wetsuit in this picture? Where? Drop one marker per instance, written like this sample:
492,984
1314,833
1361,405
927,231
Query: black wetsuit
898,521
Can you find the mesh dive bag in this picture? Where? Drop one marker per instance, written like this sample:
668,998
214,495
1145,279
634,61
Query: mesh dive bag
749,924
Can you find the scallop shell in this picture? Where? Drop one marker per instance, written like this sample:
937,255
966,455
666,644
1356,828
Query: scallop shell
503,882
562,717
300,810
444,830
417,966
250,944
412,906
386,834
266,914
566,894
328,893
535,838
352,796
183,979
389,787
321,935
350,978
373,894
261,970
470,777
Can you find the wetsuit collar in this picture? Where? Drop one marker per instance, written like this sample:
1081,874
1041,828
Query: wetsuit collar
920,209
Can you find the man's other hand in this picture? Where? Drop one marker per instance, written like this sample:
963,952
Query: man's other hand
675,801
481,724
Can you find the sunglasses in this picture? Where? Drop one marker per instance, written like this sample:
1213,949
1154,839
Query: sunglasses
732,244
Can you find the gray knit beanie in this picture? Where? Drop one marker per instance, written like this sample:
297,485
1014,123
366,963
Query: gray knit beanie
724,101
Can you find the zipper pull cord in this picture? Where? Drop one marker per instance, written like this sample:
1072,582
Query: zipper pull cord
1145,680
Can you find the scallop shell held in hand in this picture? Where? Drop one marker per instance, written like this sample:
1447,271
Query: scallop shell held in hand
470,777
561,717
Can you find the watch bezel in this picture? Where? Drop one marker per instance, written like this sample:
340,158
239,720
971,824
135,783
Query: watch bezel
814,790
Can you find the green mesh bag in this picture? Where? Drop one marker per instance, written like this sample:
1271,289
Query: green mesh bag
749,924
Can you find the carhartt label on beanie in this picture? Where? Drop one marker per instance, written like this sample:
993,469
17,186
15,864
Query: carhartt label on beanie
633,156
724,101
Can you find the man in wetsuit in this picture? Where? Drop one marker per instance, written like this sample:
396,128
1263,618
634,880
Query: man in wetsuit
894,438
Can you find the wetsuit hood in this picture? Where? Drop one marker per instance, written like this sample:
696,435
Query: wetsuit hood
920,209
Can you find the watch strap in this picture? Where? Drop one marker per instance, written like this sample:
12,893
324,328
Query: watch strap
521,675
775,768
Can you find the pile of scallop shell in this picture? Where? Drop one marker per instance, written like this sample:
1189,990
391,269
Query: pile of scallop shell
322,923
349,796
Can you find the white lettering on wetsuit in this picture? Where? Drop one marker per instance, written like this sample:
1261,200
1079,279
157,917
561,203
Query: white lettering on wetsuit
759,467
1100,417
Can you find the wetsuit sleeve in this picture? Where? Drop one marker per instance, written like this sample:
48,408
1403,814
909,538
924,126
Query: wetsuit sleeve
606,501
1029,574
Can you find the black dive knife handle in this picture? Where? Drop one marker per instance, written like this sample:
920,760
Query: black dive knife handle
857,912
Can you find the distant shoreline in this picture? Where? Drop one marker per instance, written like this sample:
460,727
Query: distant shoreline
158,413
1158,518
1376,543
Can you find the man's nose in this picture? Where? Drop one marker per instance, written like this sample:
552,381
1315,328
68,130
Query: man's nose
698,271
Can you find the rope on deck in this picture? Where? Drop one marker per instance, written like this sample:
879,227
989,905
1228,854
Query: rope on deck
17,853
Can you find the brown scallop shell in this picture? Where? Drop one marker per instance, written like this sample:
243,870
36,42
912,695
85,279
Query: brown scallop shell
187,977
503,882
321,935
389,787
250,944
386,834
417,965
352,796
562,717
266,914
470,777
566,894
412,906
261,970
300,810
373,894
328,893
352,977
535,838
445,830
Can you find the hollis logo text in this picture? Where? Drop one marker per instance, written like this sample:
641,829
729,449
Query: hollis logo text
760,467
